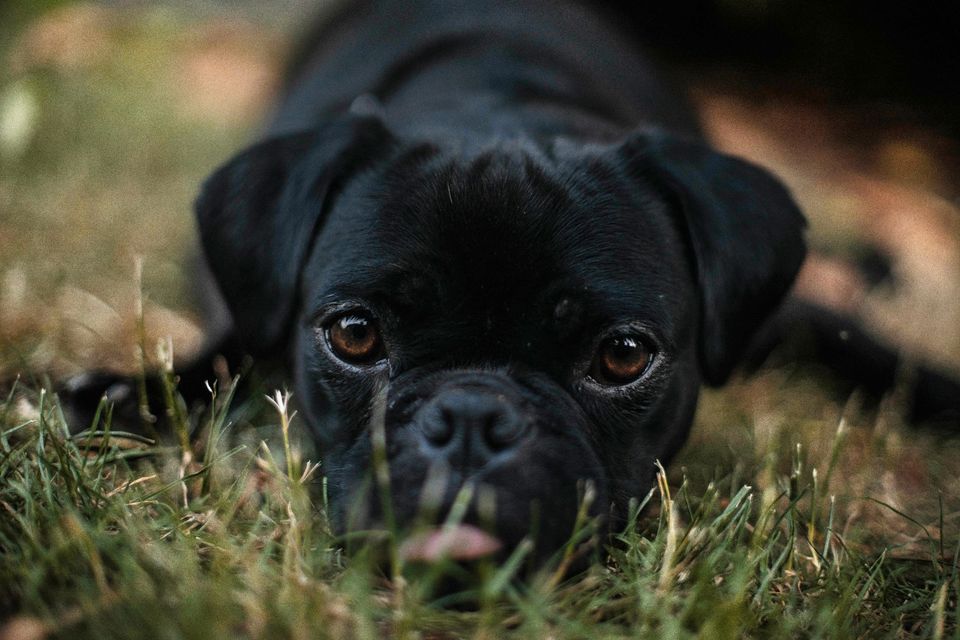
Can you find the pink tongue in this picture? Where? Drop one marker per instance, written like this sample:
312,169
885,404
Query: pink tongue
462,542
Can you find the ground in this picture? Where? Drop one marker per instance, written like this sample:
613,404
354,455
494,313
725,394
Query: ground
791,513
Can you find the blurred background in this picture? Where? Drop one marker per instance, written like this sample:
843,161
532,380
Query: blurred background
111,114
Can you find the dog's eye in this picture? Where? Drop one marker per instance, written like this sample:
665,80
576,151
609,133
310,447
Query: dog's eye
620,359
355,338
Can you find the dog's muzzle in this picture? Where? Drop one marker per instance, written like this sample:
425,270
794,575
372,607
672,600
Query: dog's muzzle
515,442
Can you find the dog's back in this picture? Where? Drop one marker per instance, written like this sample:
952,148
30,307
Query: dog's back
478,67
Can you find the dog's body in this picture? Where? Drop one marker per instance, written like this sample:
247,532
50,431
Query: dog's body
488,230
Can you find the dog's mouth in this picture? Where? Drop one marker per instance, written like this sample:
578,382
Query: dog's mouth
522,523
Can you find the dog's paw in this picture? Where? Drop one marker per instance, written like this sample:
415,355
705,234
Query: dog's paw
113,396
935,399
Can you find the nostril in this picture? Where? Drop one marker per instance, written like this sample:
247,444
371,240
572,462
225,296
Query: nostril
503,430
439,427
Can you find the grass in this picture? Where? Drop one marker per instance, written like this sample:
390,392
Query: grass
774,522
105,535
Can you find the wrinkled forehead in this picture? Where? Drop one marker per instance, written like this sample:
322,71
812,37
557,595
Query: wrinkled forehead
500,232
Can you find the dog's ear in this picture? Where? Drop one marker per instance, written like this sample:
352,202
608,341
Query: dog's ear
258,216
745,235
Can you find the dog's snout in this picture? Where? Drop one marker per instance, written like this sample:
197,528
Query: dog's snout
471,426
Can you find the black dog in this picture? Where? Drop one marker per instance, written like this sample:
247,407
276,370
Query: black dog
488,230
490,217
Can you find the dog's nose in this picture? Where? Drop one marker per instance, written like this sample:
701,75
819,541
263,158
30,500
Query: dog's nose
470,425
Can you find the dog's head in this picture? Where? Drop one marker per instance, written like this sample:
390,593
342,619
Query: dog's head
520,318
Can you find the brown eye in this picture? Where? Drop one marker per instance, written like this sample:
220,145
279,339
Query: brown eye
620,360
355,338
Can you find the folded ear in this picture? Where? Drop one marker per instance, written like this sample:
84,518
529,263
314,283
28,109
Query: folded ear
259,214
745,235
